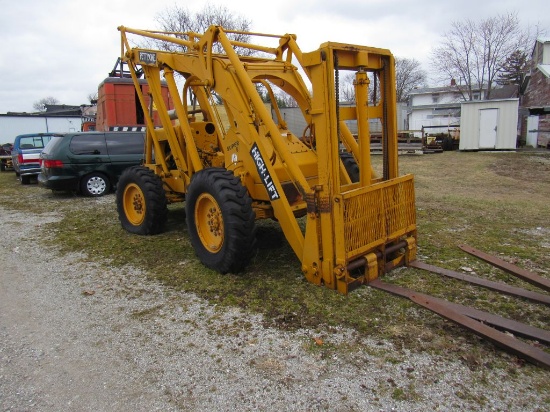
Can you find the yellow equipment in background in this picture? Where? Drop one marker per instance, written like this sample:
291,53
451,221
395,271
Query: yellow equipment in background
346,224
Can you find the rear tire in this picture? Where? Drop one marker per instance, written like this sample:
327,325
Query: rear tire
95,185
351,166
220,220
141,201
25,179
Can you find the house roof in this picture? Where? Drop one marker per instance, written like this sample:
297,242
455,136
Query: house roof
491,101
428,90
62,110
545,69
39,114
53,110
504,92
443,89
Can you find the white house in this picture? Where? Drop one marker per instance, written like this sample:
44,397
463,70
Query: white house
296,122
436,108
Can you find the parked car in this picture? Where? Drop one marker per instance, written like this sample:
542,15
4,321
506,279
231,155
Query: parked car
26,152
5,157
89,162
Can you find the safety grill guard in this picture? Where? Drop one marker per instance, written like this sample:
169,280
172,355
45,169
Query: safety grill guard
376,215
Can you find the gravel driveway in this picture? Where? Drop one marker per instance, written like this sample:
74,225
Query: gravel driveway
81,336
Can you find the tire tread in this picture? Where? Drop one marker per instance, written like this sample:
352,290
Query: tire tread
239,220
151,185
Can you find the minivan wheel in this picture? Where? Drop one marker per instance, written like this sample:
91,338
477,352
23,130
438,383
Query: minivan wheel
141,201
94,184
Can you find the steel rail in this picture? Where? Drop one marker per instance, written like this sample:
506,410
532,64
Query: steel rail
533,278
500,287
499,322
442,308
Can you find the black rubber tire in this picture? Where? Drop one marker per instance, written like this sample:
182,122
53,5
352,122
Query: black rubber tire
448,143
25,179
2,166
95,185
152,199
239,227
351,166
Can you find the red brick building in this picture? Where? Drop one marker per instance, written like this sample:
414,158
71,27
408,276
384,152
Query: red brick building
536,97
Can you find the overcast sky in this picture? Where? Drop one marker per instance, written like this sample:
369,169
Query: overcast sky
65,48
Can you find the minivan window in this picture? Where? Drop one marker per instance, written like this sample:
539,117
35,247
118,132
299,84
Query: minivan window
52,143
88,144
124,143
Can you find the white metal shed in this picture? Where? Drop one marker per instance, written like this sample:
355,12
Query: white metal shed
489,124
13,125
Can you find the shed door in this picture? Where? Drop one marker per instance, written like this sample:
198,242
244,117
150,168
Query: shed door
532,133
488,121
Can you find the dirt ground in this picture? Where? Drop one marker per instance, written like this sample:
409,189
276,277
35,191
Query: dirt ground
80,334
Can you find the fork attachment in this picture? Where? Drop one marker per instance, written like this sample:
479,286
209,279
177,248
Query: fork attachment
466,317
478,321
523,274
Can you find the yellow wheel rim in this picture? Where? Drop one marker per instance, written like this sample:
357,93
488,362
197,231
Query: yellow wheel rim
134,204
209,223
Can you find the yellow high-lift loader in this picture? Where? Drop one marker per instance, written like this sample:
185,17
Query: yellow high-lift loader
346,224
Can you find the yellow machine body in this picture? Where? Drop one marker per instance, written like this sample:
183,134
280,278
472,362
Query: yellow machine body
345,230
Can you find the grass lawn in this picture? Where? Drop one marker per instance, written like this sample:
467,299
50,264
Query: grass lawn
495,202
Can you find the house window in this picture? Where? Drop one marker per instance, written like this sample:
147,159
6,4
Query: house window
476,96
435,98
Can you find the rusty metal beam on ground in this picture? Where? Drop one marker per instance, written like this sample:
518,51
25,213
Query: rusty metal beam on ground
499,322
509,343
510,268
500,287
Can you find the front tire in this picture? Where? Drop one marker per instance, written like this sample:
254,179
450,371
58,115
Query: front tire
141,201
220,220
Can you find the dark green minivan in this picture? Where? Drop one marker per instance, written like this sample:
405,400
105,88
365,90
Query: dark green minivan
89,162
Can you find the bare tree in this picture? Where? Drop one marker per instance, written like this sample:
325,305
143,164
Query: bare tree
285,100
347,90
473,52
180,20
500,38
40,105
408,75
528,37
92,98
